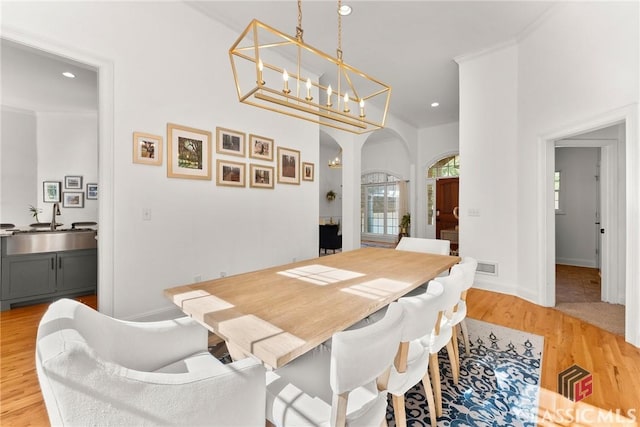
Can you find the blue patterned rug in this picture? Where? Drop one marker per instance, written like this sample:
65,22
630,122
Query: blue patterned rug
499,382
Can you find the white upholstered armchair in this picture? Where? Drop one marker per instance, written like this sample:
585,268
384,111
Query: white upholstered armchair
96,370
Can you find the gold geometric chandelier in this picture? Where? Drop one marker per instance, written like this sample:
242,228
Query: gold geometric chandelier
272,71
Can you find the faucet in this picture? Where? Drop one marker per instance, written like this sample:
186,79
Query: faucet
56,211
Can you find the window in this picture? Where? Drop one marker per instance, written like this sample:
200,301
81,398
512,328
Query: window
431,201
446,168
556,191
379,203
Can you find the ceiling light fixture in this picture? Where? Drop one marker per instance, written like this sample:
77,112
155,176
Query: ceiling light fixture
69,75
345,10
435,104
271,71
337,162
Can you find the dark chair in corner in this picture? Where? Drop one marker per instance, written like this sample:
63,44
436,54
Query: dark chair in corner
329,238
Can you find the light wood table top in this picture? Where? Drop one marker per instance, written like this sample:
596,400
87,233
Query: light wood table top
279,313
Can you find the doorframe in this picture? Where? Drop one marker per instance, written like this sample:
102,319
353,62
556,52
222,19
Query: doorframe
612,288
105,69
546,211
426,228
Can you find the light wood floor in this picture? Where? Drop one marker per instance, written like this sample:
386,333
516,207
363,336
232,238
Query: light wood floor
615,365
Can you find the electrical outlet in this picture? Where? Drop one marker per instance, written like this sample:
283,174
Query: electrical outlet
223,274
146,214
197,278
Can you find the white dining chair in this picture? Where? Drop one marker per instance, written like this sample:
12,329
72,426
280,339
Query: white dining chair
458,314
345,384
419,244
441,337
427,246
412,361
97,370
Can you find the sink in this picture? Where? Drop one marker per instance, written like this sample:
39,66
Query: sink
44,225
37,241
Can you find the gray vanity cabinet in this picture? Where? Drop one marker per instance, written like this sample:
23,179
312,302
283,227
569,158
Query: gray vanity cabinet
41,276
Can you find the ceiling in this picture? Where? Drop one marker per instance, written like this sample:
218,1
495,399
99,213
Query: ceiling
32,80
409,45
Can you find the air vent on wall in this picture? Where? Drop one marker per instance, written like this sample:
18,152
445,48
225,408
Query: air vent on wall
490,268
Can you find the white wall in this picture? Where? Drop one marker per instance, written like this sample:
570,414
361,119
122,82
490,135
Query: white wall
576,236
582,61
164,73
489,176
18,178
386,155
68,145
577,64
434,143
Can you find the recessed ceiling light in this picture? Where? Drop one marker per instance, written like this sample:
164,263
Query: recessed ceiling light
345,10
435,104
69,75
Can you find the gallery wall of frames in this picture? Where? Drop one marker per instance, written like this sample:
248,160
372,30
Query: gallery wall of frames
70,192
241,160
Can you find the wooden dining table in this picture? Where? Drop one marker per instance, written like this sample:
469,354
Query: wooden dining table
279,313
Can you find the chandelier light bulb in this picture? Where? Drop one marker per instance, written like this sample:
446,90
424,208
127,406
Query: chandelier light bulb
308,97
362,108
329,92
260,68
346,103
285,77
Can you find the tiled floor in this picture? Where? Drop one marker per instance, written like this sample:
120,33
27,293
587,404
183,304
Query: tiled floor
577,284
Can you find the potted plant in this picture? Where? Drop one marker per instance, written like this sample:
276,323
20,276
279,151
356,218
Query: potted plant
331,195
34,212
405,223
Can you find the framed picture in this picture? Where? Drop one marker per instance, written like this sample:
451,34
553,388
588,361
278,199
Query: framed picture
147,149
73,182
51,191
73,199
230,173
260,147
307,171
230,142
188,152
288,166
92,191
260,176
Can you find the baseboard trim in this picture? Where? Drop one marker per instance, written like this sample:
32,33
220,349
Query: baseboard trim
167,313
576,262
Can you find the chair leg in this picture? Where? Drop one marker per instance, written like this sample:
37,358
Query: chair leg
454,341
428,392
455,369
465,336
399,410
435,378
